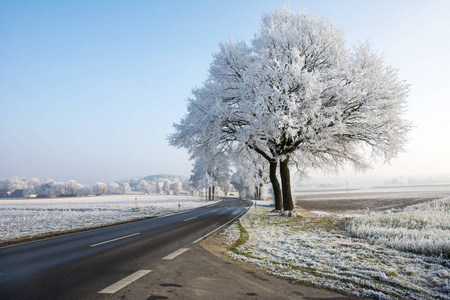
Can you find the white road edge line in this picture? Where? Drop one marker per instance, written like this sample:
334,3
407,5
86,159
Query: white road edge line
113,240
176,253
190,219
206,235
124,282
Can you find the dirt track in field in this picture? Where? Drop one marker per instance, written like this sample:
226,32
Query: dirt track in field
360,201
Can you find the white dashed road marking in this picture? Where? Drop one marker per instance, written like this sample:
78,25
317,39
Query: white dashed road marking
176,253
124,282
113,240
190,219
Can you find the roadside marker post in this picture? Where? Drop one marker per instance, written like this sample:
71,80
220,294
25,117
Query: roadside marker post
136,203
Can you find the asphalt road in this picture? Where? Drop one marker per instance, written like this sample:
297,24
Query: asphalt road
101,262
198,274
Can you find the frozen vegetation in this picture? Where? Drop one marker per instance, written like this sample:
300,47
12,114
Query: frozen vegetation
23,219
296,95
323,252
422,228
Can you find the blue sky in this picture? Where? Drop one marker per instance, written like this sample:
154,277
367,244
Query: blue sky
89,90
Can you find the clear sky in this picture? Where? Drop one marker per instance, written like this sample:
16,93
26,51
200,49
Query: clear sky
89,90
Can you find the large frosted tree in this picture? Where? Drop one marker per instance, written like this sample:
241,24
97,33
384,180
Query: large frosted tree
299,96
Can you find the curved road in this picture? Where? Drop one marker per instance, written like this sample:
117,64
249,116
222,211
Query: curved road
104,261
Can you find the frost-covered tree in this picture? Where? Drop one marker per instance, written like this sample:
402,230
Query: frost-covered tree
166,187
58,189
152,187
100,188
219,168
176,187
85,190
298,96
198,180
124,188
195,133
28,185
201,179
316,98
133,183
159,187
252,173
217,112
4,184
45,189
215,166
72,188
186,186
145,187
32,182
114,188
17,183
29,191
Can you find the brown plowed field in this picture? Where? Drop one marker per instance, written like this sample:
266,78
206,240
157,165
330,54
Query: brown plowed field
360,201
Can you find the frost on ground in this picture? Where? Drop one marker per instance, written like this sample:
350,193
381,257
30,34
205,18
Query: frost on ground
422,228
23,219
320,251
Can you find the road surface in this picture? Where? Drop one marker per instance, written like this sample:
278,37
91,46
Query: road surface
101,262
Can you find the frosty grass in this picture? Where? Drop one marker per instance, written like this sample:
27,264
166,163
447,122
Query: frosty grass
365,256
22,219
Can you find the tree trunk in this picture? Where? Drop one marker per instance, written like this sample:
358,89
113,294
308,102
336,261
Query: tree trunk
213,191
260,191
288,203
276,185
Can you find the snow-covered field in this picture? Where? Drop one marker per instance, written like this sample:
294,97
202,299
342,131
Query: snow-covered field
29,218
321,251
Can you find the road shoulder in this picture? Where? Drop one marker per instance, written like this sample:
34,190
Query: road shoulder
218,245
199,274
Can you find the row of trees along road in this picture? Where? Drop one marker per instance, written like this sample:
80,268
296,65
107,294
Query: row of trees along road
297,96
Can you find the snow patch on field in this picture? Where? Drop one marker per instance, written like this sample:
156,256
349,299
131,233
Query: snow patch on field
21,219
319,250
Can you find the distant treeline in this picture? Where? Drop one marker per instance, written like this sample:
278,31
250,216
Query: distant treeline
20,187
